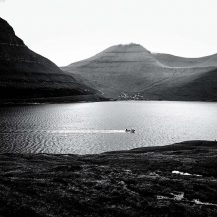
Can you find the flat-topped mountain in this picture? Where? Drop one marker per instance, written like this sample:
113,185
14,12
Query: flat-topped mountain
25,75
132,72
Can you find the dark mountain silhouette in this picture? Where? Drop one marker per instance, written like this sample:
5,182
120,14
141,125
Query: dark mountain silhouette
133,72
25,75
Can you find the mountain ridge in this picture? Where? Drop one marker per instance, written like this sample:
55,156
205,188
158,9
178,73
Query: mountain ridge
124,72
172,60
28,76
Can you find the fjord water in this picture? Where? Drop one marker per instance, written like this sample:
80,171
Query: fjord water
88,128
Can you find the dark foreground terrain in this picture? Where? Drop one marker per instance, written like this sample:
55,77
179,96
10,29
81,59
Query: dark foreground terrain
175,180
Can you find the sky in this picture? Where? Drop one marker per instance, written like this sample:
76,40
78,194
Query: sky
67,31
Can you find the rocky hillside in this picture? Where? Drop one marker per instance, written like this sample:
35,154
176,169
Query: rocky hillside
178,180
133,72
25,75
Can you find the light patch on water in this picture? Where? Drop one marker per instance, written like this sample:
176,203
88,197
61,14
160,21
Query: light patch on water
177,197
185,174
198,202
160,197
180,197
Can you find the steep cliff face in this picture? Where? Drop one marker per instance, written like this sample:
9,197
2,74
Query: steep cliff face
8,35
27,75
133,72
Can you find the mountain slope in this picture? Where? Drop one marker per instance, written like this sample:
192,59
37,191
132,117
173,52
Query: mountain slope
25,75
202,88
175,61
133,72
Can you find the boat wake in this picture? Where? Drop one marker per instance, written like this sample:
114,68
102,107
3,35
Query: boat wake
65,132
85,131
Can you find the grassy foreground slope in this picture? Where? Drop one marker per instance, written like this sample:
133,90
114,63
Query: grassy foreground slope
177,180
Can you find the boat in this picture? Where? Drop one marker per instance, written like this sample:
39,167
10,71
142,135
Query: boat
130,130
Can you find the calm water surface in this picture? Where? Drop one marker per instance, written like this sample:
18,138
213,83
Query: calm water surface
87,128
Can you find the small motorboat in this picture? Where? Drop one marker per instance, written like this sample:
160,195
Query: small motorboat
130,130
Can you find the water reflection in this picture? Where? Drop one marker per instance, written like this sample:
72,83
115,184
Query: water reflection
98,127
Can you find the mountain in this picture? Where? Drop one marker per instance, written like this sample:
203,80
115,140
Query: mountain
175,61
27,76
132,72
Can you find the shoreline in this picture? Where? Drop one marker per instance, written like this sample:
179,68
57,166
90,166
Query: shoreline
178,179
97,101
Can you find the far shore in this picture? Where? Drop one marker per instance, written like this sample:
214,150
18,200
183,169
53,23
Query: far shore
87,99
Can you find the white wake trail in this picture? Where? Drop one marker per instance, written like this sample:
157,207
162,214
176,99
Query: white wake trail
84,131
65,131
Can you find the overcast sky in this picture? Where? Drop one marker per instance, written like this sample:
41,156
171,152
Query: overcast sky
66,31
